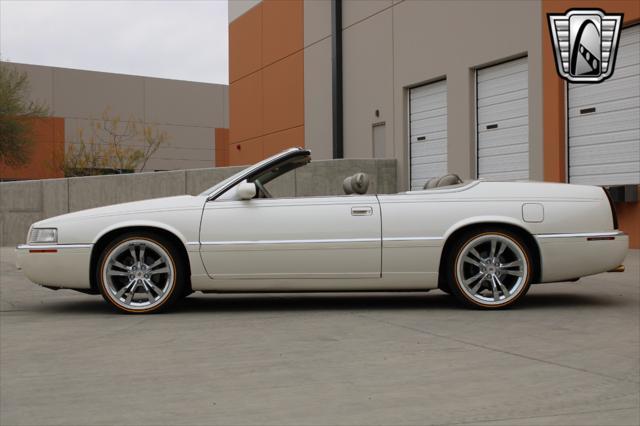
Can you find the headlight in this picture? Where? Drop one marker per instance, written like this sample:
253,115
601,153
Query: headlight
43,235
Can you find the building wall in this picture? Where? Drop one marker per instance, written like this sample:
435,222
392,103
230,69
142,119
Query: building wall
189,112
390,46
266,79
238,7
317,79
451,39
222,147
48,145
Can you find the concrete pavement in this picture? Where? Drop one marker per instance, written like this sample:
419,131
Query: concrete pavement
568,355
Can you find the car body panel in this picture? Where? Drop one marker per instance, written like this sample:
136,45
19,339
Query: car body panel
179,215
570,256
66,267
313,237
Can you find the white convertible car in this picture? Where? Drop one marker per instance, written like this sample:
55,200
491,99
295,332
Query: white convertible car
483,242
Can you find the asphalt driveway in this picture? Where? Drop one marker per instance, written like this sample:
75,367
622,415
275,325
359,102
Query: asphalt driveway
569,355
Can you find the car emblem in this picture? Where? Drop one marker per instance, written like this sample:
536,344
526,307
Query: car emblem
585,43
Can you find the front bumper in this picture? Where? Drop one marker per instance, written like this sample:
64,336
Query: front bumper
56,265
569,256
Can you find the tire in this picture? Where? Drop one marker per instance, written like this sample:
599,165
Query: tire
489,268
141,273
444,287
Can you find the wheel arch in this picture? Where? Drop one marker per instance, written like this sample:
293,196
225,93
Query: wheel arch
108,235
501,223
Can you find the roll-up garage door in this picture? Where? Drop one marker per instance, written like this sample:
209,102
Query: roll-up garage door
428,132
604,121
503,121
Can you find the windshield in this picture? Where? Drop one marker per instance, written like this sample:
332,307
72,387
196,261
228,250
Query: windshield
223,182
249,169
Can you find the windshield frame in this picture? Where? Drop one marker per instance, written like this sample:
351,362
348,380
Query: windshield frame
221,187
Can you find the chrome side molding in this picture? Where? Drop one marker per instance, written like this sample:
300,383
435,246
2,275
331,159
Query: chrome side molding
51,246
611,234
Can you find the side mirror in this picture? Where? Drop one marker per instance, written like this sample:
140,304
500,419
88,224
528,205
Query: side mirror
246,190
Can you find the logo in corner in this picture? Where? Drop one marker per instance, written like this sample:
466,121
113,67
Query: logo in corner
585,43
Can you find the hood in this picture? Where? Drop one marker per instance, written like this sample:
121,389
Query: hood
181,202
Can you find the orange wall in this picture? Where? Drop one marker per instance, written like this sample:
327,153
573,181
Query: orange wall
554,108
48,144
222,147
629,220
266,74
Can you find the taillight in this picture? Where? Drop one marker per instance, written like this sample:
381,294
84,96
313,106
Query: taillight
614,215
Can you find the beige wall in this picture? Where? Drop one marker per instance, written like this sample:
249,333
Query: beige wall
237,8
317,79
367,64
189,112
389,46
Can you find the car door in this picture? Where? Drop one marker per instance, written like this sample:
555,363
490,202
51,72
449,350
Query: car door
413,236
313,237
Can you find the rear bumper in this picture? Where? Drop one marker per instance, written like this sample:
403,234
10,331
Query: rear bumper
56,265
569,256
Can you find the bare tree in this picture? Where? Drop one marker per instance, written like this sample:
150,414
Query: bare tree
112,146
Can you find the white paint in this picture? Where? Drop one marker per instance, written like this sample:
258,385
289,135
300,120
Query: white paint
532,212
334,241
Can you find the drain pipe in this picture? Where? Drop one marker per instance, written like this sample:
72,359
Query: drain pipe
336,77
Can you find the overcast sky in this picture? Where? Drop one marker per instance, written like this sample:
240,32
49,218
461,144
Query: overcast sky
185,40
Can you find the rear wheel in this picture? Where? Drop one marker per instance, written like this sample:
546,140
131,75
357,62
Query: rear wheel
489,269
141,273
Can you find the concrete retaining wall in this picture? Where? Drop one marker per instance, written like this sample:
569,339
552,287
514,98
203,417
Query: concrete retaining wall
25,202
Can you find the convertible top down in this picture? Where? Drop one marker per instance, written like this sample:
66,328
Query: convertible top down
483,242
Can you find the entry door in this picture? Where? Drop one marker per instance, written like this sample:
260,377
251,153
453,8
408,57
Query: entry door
378,140
503,121
428,132
315,237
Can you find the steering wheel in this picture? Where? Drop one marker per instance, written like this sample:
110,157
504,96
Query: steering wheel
263,190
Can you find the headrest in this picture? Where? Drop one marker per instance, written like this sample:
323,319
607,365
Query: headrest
358,184
446,180
431,183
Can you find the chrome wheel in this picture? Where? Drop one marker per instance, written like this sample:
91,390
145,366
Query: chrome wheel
492,269
138,274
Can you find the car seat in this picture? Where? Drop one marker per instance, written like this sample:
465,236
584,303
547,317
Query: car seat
439,182
356,184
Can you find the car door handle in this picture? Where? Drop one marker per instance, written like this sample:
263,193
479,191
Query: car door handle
361,211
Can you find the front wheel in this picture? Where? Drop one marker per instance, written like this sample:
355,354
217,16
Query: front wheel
489,269
140,273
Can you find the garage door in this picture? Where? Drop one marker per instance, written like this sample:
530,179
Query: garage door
428,132
604,121
503,121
